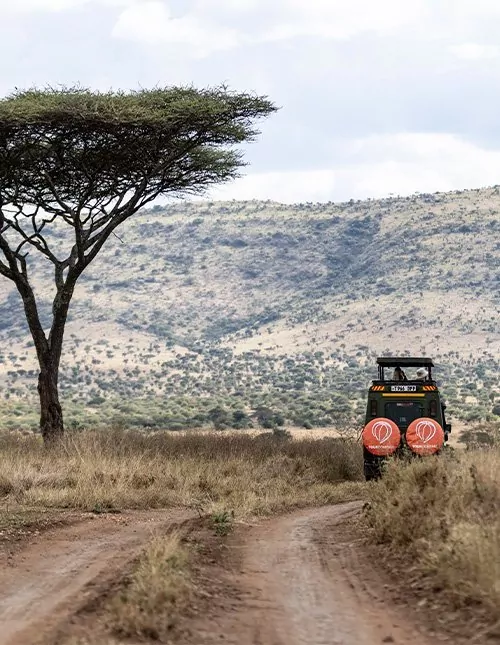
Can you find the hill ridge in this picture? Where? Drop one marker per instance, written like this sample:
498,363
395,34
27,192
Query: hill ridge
211,304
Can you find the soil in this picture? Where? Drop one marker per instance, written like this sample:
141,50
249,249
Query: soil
303,579
18,527
306,578
55,575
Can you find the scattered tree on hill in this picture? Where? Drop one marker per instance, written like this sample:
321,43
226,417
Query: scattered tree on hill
220,417
79,163
268,418
241,420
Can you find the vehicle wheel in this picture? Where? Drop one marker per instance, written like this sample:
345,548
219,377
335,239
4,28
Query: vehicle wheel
372,467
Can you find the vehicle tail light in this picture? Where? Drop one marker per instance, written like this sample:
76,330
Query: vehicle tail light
373,407
433,408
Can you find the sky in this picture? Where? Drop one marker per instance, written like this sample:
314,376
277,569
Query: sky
377,97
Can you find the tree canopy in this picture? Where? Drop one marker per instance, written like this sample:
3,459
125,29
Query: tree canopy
78,154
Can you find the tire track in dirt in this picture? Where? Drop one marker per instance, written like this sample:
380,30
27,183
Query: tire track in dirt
50,579
298,580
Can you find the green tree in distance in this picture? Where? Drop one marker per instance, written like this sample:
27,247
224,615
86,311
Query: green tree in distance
83,162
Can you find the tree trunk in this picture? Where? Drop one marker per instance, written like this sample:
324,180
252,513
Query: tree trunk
51,418
49,349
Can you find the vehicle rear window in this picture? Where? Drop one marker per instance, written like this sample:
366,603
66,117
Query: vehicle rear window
403,412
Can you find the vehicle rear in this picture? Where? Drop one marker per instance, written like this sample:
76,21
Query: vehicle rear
402,417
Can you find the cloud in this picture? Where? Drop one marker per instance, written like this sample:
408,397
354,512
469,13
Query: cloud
40,5
377,166
341,19
289,187
361,83
475,51
424,162
468,8
27,6
214,25
152,22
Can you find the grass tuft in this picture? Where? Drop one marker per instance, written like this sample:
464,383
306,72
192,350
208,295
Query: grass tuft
158,588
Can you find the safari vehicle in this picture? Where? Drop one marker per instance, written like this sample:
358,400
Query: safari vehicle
405,413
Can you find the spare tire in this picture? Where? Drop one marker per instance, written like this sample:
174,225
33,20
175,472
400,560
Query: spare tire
381,437
425,436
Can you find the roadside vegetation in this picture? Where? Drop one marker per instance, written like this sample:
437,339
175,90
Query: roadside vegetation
439,520
212,473
436,519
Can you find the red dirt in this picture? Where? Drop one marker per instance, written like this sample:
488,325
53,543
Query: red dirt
302,580
51,578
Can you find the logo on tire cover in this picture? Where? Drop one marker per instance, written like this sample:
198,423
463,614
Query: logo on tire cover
425,436
382,431
381,437
425,431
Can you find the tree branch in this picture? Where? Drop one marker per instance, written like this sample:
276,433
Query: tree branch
5,271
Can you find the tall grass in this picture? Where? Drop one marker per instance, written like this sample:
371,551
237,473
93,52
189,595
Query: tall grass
118,469
443,514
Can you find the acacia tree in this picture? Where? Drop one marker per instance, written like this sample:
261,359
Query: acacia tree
88,161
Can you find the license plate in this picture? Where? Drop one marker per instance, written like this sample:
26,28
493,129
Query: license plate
403,388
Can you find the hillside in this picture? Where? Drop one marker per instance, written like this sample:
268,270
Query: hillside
205,312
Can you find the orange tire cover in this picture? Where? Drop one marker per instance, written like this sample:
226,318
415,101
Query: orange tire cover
381,437
425,436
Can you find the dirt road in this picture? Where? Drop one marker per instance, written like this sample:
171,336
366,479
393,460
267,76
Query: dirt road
50,579
299,579
302,583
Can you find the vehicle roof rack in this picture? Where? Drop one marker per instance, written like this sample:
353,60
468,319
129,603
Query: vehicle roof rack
404,361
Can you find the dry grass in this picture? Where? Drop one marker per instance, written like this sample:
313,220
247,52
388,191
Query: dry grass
158,588
116,469
443,514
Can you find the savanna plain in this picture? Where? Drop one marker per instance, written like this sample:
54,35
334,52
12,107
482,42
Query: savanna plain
180,508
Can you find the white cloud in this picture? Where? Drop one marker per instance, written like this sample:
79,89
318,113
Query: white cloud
40,5
296,51
16,6
377,166
471,7
410,162
294,186
152,22
205,28
342,18
475,51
